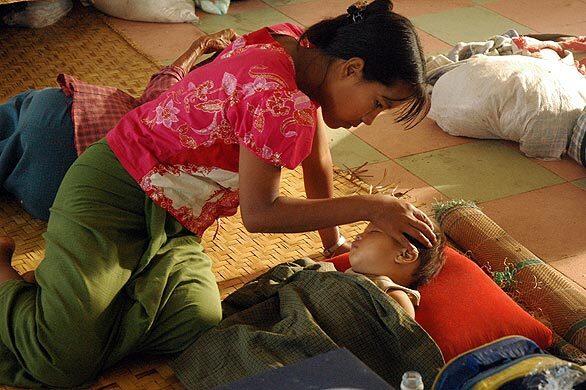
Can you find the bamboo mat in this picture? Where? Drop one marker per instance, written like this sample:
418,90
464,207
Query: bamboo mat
83,45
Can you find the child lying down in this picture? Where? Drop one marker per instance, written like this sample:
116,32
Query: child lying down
394,270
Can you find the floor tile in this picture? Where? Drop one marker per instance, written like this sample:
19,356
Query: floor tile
543,16
466,24
411,8
573,267
432,45
350,151
237,7
314,11
580,183
394,141
550,221
479,171
570,29
242,22
280,3
164,42
401,181
566,168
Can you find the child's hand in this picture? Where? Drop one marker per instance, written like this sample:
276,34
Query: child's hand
396,217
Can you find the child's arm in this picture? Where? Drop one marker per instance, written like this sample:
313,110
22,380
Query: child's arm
403,300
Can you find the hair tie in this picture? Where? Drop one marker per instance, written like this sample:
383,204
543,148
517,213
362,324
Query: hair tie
355,11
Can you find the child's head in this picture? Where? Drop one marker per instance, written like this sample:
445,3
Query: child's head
376,63
374,252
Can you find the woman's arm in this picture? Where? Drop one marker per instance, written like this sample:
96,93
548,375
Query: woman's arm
318,177
264,210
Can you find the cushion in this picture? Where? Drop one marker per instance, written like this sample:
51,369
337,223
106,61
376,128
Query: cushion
462,308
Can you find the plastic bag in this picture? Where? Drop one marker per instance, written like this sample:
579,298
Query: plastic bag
217,7
37,14
532,101
163,11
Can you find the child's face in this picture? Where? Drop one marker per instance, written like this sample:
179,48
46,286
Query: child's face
374,252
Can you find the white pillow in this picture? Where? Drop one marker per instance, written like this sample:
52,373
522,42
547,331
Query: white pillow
533,101
163,11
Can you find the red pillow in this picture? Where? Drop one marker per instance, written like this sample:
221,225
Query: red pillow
462,308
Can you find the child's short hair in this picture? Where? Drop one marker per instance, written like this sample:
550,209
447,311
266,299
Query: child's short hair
431,260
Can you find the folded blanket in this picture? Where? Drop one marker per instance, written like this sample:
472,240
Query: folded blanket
295,311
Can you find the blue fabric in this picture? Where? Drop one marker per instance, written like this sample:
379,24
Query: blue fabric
36,147
469,365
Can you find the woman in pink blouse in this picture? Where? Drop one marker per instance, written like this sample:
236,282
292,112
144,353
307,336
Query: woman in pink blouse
124,269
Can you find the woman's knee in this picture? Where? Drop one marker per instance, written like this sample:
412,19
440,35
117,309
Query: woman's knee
177,328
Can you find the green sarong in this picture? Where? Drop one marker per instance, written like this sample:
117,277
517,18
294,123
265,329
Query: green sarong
120,275
298,310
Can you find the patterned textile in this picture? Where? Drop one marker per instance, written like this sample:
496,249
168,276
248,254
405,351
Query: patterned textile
577,148
97,109
183,147
295,311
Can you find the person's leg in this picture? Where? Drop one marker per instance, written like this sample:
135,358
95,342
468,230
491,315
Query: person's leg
36,147
60,331
187,297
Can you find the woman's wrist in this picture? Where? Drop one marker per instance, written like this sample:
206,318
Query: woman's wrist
372,207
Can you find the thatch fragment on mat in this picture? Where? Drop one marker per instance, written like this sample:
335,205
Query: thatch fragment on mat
539,287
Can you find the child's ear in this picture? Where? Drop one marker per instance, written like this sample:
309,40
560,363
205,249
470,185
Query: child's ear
406,257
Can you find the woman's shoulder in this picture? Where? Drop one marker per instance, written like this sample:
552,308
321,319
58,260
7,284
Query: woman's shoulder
254,59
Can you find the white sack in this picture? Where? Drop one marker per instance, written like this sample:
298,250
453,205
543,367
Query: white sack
532,101
163,11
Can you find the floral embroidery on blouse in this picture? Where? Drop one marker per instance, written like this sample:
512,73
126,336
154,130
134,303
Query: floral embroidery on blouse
183,147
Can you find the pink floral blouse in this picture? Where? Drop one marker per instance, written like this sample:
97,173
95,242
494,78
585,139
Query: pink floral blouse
183,147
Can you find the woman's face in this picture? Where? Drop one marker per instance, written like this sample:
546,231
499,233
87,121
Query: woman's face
374,252
347,100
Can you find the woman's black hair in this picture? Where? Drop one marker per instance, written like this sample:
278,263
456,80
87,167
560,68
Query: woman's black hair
388,44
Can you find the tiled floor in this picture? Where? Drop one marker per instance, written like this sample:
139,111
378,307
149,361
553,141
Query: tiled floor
542,204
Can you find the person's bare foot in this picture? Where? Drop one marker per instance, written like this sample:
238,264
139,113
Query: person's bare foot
6,251
29,276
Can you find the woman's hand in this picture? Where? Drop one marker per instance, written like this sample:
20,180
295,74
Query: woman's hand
218,41
396,217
